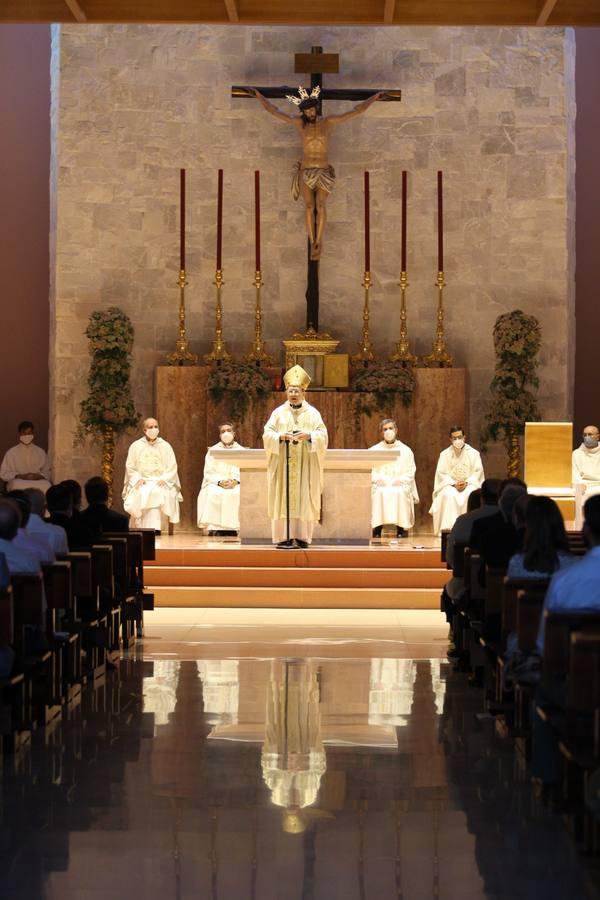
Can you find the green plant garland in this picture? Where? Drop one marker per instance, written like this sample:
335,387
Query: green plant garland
239,384
378,386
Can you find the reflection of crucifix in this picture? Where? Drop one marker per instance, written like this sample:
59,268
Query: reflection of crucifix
315,176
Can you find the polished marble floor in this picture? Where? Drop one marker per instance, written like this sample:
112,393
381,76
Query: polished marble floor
281,756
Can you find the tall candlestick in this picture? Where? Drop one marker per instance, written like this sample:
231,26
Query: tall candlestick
257,218
220,221
182,219
367,225
403,265
440,223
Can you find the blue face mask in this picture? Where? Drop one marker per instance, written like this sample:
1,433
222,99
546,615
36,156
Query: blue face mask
590,441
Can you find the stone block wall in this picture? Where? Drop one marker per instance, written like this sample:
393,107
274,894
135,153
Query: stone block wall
493,108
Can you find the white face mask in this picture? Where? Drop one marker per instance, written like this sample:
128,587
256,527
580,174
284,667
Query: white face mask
458,443
151,433
26,438
227,437
389,435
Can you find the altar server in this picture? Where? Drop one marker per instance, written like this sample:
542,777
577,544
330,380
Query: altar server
25,465
300,426
586,461
219,497
151,481
459,471
393,487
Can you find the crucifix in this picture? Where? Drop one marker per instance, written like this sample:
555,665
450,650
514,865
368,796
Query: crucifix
314,176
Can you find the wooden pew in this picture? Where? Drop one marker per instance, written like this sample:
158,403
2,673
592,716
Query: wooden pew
40,662
61,629
15,689
119,544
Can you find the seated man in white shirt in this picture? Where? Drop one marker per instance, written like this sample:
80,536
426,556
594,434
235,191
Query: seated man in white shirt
459,471
25,465
19,562
219,497
393,486
586,462
151,488
37,544
37,525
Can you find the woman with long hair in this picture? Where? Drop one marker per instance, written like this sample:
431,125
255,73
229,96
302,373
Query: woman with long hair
545,545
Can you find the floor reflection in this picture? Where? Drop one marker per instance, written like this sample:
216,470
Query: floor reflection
299,779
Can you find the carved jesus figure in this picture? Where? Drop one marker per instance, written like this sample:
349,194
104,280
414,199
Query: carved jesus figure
314,176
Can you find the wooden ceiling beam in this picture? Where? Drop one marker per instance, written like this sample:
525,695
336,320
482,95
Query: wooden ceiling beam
545,11
388,12
76,11
233,13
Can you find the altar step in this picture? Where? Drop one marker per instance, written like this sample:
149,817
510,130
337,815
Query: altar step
330,577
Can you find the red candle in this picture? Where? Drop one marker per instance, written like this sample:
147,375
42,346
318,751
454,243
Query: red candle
257,217
220,220
440,223
367,226
403,266
182,218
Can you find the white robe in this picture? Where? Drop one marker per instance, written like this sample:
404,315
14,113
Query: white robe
151,463
393,503
219,508
306,470
453,467
21,459
586,469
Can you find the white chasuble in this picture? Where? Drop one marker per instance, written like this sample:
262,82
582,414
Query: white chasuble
586,469
219,507
454,466
306,460
153,464
393,501
25,459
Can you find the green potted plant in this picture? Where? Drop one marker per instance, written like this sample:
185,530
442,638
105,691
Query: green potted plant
109,409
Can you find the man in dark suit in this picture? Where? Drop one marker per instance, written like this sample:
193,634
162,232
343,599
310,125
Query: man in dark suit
79,534
98,514
495,538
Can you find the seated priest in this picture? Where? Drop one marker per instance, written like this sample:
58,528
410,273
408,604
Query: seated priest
25,465
295,439
219,497
151,488
98,515
586,461
459,471
393,487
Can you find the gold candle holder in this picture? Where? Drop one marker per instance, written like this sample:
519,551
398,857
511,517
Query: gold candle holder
365,350
257,353
219,352
403,353
439,356
182,352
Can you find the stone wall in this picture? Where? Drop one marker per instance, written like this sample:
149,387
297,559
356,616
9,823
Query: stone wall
491,107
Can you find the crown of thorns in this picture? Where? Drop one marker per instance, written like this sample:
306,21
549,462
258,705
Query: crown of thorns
304,95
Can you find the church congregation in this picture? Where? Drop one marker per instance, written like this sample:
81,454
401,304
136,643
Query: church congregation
300,519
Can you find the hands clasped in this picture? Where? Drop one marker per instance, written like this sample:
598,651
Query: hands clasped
294,437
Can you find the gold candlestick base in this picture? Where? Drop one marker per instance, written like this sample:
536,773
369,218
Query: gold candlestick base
257,353
219,351
182,352
403,353
439,356
365,353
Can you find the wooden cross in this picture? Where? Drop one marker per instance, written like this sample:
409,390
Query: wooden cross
316,63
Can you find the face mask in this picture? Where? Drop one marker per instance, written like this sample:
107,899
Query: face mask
227,437
26,438
590,441
389,435
458,443
151,433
